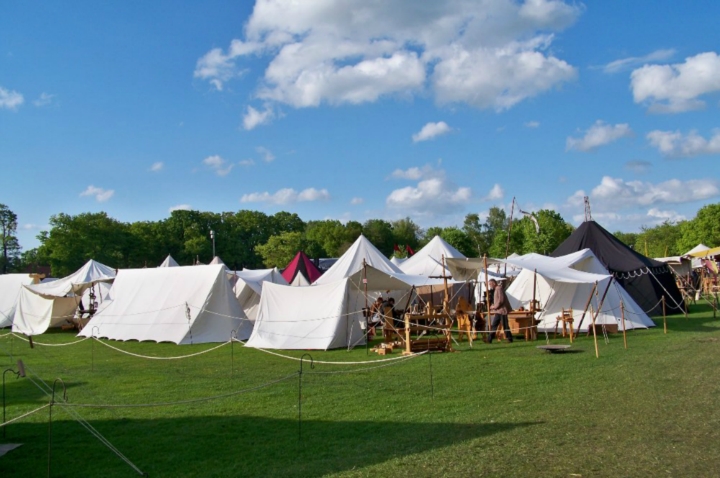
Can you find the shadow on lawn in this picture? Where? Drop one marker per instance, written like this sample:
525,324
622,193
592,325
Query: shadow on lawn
232,446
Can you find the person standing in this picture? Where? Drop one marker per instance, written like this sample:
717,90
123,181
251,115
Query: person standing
500,308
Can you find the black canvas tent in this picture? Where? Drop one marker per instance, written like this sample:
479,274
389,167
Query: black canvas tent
645,279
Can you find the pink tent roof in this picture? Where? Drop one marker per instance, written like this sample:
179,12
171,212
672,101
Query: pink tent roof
302,264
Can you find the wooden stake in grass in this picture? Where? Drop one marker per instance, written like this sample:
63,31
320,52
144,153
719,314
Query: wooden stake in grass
664,315
597,351
622,315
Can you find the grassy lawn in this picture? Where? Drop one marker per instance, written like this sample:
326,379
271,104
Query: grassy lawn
494,410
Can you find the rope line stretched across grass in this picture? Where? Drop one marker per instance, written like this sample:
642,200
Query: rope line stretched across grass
50,345
162,358
179,402
23,416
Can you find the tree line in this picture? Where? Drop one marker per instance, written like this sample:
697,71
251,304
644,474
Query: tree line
253,239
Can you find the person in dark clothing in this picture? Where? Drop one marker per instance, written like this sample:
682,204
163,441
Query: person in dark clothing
499,308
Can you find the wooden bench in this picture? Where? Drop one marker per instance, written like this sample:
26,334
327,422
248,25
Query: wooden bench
566,318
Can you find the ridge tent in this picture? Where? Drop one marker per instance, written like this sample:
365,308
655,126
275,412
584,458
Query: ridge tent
566,282
398,260
352,261
184,305
50,304
323,316
10,287
645,279
428,260
301,271
216,260
169,262
247,286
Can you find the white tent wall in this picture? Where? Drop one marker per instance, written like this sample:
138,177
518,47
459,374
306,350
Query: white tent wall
302,318
191,304
300,281
10,287
247,285
35,313
555,295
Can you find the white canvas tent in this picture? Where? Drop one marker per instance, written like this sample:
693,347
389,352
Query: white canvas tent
321,317
169,262
10,287
217,260
567,282
428,261
191,304
50,304
362,251
697,262
247,286
398,260
680,265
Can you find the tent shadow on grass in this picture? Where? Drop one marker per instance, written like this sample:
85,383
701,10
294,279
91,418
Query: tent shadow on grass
231,446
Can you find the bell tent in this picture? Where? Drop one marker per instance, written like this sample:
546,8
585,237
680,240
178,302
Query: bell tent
301,271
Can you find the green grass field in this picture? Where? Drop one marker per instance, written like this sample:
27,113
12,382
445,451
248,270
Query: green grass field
491,410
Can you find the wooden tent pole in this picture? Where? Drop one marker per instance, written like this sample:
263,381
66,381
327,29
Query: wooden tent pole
507,243
664,315
597,351
487,298
587,304
622,315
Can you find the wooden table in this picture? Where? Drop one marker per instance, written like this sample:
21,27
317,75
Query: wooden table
523,321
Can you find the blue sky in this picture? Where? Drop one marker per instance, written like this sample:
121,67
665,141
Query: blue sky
359,109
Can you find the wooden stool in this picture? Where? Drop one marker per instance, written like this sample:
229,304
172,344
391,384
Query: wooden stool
567,319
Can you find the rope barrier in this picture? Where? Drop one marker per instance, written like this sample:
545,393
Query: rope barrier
23,416
162,358
50,345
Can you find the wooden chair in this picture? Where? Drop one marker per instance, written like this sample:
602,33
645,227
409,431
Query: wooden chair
464,320
566,318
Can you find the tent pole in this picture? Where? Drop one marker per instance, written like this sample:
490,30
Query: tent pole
664,315
597,352
587,304
367,311
622,315
507,243
487,298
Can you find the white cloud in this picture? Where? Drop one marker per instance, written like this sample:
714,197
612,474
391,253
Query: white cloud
100,194
613,194
10,99
287,196
633,61
430,131
488,54
156,167
677,88
267,155
532,124
355,201
495,194
598,135
433,195
254,118
218,164
44,99
638,166
665,215
180,207
676,145
246,162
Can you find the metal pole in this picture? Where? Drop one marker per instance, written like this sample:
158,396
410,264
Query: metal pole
432,385
664,315
52,402
622,314
507,243
300,372
3,394
487,299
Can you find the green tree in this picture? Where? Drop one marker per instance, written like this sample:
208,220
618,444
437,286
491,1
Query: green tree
329,235
473,229
627,238
8,239
553,231
279,250
459,240
380,233
405,233
703,228
659,241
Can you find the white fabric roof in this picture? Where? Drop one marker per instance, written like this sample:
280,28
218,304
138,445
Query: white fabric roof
10,286
76,282
217,260
321,317
468,268
247,286
191,304
398,260
169,262
428,260
556,294
699,248
352,261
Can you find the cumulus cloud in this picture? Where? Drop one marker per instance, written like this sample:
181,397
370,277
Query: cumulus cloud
676,145
613,194
678,87
254,118
180,207
598,135
156,167
44,99
633,61
218,164
10,99
486,54
434,194
672,216
430,131
355,201
638,166
100,194
267,155
287,196
532,124
495,194
246,162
